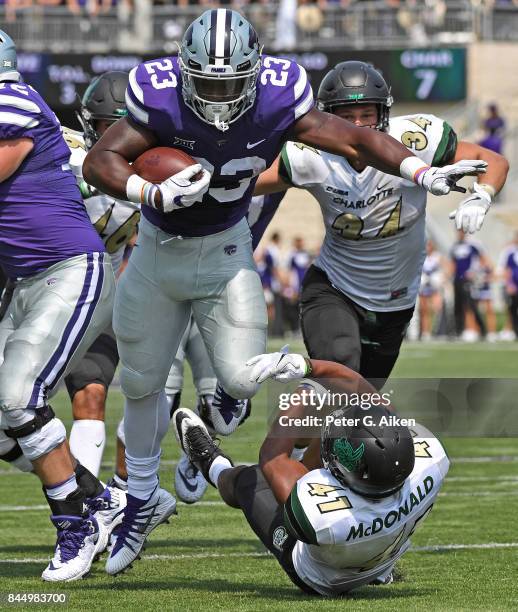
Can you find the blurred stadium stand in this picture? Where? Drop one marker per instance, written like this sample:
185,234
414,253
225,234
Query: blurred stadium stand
142,25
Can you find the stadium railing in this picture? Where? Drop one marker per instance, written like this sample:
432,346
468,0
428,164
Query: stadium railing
362,25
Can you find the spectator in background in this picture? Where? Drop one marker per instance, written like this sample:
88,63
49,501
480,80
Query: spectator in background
511,282
267,261
463,255
482,277
298,261
494,128
430,291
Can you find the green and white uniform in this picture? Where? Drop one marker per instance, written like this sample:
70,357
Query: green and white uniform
374,245
345,540
115,220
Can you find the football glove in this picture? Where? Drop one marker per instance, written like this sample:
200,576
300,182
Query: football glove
469,216
441,181
279,366
182,190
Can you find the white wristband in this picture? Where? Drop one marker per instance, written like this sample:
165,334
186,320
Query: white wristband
411,168
489,189
140,191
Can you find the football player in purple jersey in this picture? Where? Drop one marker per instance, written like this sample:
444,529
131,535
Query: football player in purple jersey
232,109
62,290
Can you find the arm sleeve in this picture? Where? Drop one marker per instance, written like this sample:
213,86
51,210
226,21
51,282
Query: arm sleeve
290,101
134,98
19,115
301,165
447,147
296,521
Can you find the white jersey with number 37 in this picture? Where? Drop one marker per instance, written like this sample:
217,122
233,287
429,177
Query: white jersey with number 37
115,220
373,249
354,540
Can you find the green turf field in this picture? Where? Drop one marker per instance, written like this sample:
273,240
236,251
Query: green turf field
465,557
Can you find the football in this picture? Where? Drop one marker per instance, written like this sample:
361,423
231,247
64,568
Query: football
158,164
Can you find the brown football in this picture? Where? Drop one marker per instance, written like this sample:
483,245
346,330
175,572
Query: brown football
158,164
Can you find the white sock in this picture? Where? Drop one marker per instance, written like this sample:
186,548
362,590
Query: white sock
87,440
220,464
120,482
142,475
63,489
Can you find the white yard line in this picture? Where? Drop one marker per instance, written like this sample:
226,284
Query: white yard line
208,555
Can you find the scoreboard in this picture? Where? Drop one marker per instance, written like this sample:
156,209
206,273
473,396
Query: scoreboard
414,74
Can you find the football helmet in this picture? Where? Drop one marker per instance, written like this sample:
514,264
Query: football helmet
103,99
219,62
8,60
355,83
371,460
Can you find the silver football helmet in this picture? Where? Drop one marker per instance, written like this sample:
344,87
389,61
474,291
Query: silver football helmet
8,61
219,60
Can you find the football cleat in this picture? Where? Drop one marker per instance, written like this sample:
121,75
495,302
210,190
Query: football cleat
140,517
79,541
227,413
195,440
190,485
108,509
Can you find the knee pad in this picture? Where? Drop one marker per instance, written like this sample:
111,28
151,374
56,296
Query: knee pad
137,385
120,432
240,387
42,441
11,452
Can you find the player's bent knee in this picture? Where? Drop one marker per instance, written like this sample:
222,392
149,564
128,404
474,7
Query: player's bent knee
43,440
344,351
89,403
240,388
137,385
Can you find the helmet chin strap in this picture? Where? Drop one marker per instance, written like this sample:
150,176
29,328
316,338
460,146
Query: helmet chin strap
221,125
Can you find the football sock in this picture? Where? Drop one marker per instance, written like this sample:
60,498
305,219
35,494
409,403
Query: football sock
146,421
62,490
142,475
220,464
121,482
87,440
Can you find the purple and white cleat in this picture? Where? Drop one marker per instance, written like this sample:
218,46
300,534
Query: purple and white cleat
227,413
108,509
79,541
139,519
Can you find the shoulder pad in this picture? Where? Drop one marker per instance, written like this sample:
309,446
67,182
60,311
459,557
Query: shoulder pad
149,88
429,137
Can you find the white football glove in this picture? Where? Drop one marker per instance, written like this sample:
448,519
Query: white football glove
179,191
470,214
279,366
441,181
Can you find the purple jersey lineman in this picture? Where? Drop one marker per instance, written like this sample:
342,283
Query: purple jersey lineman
235,157
42,217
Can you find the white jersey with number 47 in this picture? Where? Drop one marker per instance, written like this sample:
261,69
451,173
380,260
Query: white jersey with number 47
350,540
373,249
115,220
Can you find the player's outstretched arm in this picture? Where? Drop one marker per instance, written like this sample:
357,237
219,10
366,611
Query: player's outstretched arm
374,148
470,214
270,181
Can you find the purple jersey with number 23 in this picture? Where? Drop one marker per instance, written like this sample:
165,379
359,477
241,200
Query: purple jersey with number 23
235,157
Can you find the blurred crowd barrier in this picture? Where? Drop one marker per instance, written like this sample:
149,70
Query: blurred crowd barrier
147,25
